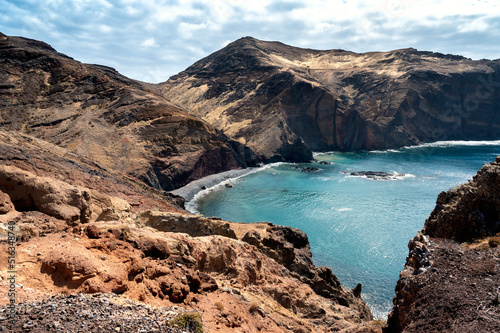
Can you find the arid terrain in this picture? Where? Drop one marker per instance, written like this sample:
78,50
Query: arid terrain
284,101
96,243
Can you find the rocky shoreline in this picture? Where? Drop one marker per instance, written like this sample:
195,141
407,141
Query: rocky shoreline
451,279
189,191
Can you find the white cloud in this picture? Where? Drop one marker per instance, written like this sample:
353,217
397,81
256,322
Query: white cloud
150,42
477,25
105,28
187,30
175,33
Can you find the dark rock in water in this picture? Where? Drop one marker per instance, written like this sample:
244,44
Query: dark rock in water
325,163
377,175
309,169
203,187
357,290
229,185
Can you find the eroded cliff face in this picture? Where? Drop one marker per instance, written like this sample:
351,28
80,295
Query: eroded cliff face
283,101
96,113
451,279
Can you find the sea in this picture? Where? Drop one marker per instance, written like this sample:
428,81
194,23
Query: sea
357,225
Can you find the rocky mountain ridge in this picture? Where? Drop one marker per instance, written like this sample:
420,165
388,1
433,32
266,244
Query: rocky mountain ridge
112,120
284,101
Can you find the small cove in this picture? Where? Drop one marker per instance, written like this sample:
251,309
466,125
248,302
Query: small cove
358,226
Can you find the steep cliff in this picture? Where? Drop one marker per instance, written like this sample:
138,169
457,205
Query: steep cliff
284,101
451,279
99,114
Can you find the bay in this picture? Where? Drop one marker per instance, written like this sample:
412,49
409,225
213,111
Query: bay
357,226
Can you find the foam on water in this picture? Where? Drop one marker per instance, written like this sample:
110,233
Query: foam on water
192,205
455,143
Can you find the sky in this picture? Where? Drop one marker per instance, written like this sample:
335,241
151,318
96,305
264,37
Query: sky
151,40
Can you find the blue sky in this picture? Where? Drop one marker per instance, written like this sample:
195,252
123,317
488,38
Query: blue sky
151,40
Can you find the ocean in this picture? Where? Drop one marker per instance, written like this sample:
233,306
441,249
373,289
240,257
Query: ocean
358,226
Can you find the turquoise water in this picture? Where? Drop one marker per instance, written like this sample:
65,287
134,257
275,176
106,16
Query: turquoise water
358,227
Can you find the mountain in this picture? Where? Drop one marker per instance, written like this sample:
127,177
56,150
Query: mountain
284,101
97,113
86,155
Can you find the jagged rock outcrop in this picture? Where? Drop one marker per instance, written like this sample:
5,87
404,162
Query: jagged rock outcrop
284,101
101,115
58,199
468,211
451,276
287,246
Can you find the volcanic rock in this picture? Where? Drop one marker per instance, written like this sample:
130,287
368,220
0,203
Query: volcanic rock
284,101
452,273
309,169
468,211
377,175
122,124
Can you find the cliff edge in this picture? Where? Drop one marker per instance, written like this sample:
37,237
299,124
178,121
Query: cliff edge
451,279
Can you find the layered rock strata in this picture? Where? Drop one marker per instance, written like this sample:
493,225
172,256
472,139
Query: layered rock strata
99,114
284,101
451,279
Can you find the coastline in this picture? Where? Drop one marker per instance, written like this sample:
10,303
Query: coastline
189,191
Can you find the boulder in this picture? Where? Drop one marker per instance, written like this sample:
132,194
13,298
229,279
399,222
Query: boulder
5,203
56,198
